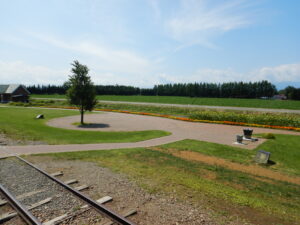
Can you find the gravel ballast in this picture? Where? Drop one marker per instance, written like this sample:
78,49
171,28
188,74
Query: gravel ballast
19,178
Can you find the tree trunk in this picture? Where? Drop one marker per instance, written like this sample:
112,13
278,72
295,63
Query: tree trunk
81,119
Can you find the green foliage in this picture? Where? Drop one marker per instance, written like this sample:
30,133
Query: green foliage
291,92
224,90
235,102
20,124
81,90
277,119
268,136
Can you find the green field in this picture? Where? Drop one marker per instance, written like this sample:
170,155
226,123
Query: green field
226,191
253,103
250,117
20,124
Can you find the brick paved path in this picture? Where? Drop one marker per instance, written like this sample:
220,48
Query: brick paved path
108,121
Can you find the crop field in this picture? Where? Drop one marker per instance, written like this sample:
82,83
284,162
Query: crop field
223,178
261,118
20,124
235,102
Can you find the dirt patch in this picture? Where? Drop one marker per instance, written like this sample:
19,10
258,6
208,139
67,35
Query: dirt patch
251,169
209,175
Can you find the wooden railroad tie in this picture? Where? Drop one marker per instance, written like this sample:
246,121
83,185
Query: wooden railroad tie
56,174
126,214
22,196
6,216
29,194
63,217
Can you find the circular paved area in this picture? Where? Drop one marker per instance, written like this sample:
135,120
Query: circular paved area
109,121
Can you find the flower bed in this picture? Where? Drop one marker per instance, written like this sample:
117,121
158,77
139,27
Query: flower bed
203,121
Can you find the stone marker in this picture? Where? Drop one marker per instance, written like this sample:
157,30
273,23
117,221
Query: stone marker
239,139
40,116
262,157
248,133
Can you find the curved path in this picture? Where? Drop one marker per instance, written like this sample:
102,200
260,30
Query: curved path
109,121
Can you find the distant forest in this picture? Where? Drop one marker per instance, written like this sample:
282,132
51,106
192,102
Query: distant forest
224,90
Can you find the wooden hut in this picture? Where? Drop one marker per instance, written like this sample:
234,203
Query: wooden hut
13,93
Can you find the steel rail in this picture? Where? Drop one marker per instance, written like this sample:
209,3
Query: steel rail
20,209
99,207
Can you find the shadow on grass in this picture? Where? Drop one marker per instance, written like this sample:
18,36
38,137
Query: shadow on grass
93,125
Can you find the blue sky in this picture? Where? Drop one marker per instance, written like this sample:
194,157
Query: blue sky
147,42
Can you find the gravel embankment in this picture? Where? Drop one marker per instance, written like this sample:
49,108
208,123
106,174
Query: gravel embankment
19,178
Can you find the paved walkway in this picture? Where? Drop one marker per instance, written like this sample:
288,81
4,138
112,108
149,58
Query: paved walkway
108,121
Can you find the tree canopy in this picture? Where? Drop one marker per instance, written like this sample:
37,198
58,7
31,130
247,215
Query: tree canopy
81,92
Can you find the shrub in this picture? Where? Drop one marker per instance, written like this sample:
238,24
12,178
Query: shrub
268,136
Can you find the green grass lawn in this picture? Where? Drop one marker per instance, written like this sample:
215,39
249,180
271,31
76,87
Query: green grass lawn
285,151
216,187
253,103
20,123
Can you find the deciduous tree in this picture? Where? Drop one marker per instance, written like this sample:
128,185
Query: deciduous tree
81,90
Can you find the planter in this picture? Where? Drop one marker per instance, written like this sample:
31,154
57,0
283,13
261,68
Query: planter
248,133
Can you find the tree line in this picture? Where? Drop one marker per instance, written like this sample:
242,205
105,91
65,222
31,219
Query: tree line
291,92
224,90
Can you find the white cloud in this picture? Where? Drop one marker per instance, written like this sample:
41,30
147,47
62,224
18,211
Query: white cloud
282,73
21,72
277,74
107,59
198,21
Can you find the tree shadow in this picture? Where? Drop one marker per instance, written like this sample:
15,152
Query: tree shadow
94,125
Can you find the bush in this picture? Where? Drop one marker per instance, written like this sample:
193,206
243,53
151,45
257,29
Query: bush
268,136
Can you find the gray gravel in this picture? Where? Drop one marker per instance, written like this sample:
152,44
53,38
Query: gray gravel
19,178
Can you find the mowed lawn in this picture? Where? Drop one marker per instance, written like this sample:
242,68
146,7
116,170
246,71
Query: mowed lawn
20,123
259,199
236,102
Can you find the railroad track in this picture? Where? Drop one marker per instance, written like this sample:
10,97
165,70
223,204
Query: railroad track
29,195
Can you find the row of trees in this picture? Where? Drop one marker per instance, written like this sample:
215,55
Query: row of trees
291,92
100,89
225,90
